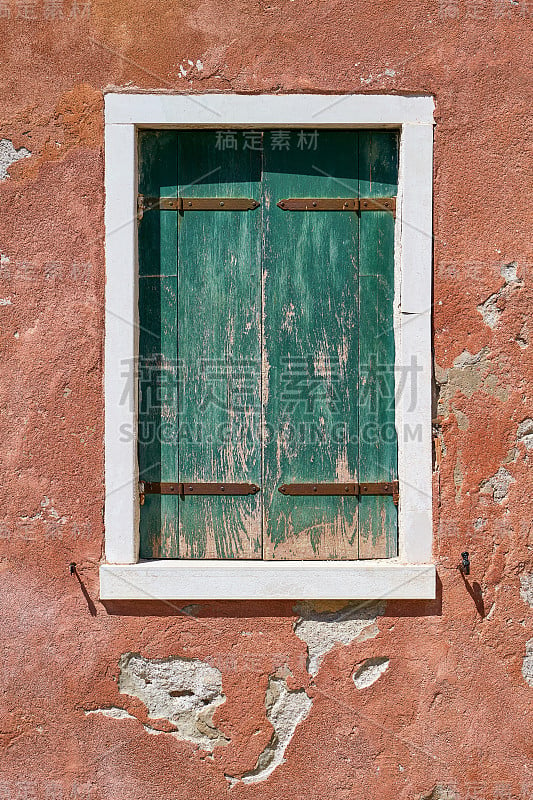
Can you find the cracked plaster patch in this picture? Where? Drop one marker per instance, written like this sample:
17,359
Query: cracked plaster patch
440,792
321,631
489,309
497,485
524,433
285,710
470,373
370,671
526,588
8,156
112,711
183,691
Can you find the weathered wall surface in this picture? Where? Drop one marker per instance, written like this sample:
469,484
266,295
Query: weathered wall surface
266,700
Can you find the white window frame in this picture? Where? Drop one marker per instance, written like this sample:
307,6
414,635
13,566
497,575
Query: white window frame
411,574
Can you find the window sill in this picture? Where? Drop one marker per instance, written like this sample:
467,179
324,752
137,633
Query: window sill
274,580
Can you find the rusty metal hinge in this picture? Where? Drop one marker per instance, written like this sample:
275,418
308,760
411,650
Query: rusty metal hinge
346,489
339,204
184,488
181,204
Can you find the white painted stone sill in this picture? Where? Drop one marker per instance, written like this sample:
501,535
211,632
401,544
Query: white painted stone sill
259,580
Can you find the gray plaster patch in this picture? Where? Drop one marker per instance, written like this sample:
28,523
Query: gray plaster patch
527,665
183,691
370,671
285,710
463,422
8,156
526,588
497,485
321,631
524,433
470,373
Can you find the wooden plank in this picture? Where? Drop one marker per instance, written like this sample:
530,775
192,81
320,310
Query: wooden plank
158,396
310,352
378,517
219,305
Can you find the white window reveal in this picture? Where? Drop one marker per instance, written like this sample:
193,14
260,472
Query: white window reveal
197,243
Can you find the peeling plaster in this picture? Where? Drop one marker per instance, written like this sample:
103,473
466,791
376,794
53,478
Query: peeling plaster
8,156
526,588
463,423
509,273
183,691
113,711
527,666
471,372
524,433
489,309
321,631
370,671
522,338
285,710
497,485
439,792
46,512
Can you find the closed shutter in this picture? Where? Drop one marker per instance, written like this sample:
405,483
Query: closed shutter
266,344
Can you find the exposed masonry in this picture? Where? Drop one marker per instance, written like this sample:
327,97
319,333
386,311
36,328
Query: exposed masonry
8,156
471,372
489,308
322,631
497,485
285,710
439,792
183,691
527,665
526,588
370,671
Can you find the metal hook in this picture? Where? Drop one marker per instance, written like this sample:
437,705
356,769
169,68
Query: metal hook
465,564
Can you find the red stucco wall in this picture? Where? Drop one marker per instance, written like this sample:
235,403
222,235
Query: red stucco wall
451,715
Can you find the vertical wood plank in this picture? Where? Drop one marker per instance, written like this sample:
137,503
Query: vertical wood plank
219,303
378,517
158,397
310,345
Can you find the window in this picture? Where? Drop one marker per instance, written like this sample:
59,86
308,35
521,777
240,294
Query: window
269,312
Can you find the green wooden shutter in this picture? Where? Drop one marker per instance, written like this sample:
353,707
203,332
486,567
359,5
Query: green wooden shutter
311,344
158,344
378,516
266,339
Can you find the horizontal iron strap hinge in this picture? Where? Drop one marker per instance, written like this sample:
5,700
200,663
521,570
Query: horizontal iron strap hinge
189,488
346,489
194,204
339,204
